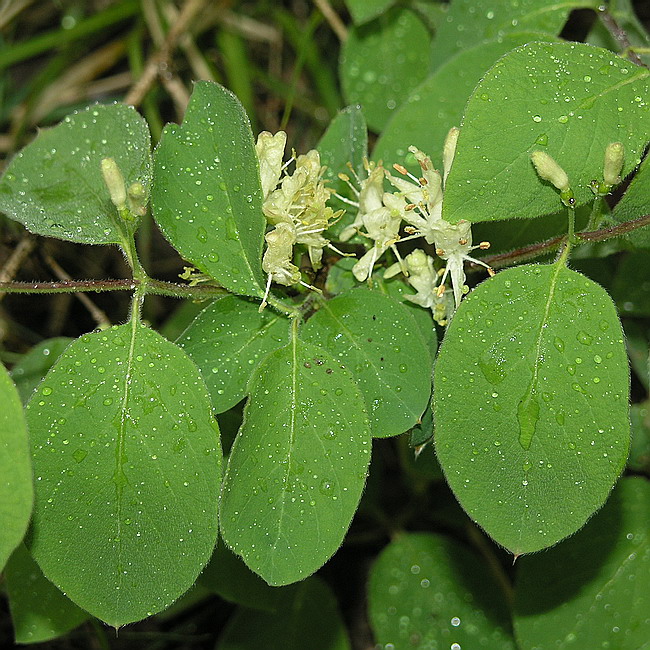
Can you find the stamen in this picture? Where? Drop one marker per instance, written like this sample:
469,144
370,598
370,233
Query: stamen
266,295
402,264
310,286
401,169
490,270
353,171
341,253
462,242
345,200
440,252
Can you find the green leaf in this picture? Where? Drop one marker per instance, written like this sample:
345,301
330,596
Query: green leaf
428,591
531,404
127,463
398,289
33,366
227,340
377,339
39,611
207,197
364,10
345,141
469,22
307,617
636,203
227,576
55,187
442,95
591,591
568,99
382,62
16,491
298,466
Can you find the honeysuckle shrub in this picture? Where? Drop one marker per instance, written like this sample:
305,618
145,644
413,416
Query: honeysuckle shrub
345,299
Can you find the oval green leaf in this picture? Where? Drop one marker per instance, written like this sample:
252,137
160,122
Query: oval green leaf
298,465
636,203
39,611
442,95
127,463
379,341
427,591
16,491
531,404
469,22
207,197
33,366
227,341
55,187
591,591
381,62
364,10
568,99
345,142
307,616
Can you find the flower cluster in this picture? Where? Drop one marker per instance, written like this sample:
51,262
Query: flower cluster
295,205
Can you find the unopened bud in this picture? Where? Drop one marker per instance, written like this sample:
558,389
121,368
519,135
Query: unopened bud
613,166
137,197
449,150
550,171
114,182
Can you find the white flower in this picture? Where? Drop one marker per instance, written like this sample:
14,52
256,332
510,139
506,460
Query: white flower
270,150
369,195
300,200
423,212
381,226
278,255
422,276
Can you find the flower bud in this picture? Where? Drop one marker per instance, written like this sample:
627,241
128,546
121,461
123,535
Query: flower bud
550,171
137,198
449,150
613,163
114,182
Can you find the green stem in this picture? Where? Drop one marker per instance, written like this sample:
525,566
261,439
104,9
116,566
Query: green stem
595,216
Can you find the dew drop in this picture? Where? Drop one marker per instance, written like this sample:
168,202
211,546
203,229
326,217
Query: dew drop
584,338
79,455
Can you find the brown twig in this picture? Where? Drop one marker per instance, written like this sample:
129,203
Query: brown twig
21,252
619,35
335,22
158,63
98,315
548,245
